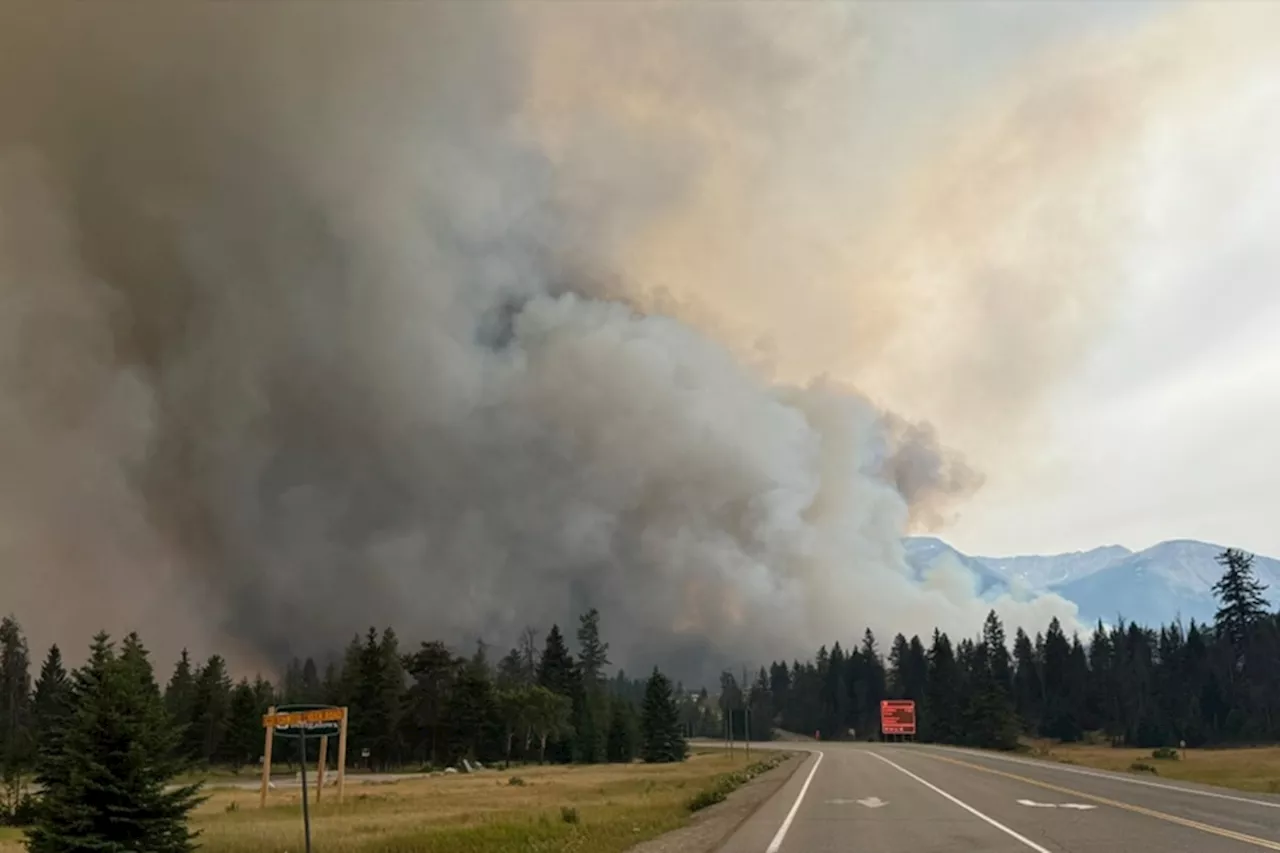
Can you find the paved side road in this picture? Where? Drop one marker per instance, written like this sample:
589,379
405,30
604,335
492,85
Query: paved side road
919,799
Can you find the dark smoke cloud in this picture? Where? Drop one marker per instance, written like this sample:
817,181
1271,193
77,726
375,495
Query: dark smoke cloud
321,315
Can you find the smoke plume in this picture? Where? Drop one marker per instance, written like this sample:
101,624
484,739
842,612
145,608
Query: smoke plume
462,317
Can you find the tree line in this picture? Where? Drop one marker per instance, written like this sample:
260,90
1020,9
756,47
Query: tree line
104,741
110,723
1199,684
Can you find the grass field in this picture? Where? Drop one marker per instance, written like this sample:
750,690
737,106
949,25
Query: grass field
1246,768
596,809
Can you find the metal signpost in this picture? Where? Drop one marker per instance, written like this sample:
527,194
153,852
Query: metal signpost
301,722
898,717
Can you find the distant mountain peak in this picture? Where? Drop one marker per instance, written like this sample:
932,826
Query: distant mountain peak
1169,580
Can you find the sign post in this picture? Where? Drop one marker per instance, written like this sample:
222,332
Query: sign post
898,717
306,809
301,721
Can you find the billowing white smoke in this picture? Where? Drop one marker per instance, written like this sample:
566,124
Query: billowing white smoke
455,317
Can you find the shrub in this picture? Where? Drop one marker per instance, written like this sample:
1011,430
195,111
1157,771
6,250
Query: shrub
516,782
569,814
1142,767
1166,753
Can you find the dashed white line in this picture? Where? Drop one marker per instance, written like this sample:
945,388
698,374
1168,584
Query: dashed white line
776,844
970,809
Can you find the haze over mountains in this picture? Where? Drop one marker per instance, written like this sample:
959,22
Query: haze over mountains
1167,581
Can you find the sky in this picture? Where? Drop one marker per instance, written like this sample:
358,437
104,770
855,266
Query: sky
474,315
1166,430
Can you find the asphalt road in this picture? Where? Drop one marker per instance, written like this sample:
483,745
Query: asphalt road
883,798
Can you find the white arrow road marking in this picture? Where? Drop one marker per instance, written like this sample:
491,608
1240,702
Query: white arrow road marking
872,802
1035,805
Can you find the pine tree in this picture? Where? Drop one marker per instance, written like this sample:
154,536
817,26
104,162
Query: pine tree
17,747
660,737
591,712
104,787
1242,604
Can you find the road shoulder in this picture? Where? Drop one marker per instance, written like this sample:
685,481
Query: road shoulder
711,827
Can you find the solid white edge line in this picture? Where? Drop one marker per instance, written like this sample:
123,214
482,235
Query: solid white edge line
776,843
970,809
1114,777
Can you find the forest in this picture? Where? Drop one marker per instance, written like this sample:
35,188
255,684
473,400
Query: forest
432,705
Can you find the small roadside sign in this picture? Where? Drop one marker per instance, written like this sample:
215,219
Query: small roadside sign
314,722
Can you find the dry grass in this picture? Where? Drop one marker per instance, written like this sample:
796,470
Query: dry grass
616,806
1245,769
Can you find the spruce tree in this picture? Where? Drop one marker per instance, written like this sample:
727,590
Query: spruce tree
660,737
51,701
104,786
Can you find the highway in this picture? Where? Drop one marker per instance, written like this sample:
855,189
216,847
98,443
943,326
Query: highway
883,798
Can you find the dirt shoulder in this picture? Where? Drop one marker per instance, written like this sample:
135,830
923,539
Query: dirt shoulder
710,827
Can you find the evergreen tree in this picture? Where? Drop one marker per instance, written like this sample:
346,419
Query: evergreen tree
622,733
511,671
1241,603
211,711
558,673
106,785
180,702
473,711
591,712
244,739
17,747
50,702
943,698
432,670
660,737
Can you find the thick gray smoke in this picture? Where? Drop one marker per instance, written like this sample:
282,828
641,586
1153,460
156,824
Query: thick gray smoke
448,316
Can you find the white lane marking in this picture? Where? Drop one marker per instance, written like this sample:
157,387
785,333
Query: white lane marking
776,843
1033,804
970,809
872,802
1048,765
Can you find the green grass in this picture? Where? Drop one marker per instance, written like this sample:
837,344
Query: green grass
594,809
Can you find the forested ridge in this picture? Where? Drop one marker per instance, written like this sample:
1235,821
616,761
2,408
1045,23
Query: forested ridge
432,705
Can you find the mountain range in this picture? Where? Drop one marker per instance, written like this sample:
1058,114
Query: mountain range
1168,581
